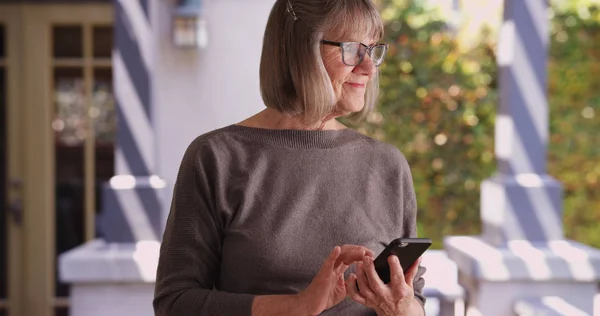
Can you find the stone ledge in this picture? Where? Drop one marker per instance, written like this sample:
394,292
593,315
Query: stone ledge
116,299
101,262
563,260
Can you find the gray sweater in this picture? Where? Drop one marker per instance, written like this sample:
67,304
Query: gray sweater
257,211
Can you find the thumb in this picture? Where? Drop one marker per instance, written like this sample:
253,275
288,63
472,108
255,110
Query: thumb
412,272
313,299
327,270
329,264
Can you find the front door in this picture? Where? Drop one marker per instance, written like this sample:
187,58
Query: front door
56,89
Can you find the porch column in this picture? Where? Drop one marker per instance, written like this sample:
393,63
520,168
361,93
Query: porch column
522,251
132,210
115,274
181,93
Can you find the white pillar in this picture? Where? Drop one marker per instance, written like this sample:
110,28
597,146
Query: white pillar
166,98
522,251
132,209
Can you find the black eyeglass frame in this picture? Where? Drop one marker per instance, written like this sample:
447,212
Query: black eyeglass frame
368,50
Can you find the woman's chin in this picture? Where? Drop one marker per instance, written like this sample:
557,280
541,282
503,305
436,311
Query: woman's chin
351,107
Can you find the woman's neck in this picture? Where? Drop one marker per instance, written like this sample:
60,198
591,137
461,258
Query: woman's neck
273,119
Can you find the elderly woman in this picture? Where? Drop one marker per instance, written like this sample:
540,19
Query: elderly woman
270,215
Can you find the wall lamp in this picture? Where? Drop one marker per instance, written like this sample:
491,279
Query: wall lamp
189,25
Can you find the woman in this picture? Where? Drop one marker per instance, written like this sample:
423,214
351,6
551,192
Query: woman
258,206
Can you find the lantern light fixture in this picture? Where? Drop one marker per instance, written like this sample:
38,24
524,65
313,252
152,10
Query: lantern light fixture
189,25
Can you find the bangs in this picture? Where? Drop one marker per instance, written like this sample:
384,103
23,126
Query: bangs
353,20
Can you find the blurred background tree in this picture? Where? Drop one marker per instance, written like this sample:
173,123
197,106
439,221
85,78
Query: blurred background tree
574,88
438,103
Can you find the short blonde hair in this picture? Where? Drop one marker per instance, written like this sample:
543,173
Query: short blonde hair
293,79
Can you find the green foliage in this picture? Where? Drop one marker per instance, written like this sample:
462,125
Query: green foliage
574,89
438,105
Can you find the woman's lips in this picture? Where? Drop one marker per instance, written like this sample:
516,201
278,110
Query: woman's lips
356,85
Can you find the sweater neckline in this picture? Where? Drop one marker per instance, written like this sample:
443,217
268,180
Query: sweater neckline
296,138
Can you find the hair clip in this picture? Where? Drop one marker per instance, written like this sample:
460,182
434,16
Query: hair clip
290,10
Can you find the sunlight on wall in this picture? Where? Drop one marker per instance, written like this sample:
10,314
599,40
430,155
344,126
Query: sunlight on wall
146,259
533,258
578,259
559,305
129,182
470,17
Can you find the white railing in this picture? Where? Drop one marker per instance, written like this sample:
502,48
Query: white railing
445,297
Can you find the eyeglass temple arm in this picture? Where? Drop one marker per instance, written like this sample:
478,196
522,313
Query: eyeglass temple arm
331,43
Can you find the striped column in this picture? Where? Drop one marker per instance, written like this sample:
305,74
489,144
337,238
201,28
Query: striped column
522,202
131,209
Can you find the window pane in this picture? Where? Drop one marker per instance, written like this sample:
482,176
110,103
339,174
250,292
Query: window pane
69,128
68,41
103,41
103,107
69,101
105,123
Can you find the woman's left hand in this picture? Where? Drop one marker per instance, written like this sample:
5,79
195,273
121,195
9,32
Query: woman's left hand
393,299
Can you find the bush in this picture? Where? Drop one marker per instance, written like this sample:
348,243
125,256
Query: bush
438,105
574,88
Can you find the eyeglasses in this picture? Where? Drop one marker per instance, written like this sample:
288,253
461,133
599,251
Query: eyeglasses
353,53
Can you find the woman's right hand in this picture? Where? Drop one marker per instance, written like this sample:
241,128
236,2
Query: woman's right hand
327,288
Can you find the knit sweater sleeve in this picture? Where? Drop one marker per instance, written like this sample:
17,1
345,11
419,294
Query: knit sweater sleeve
410,224
191,249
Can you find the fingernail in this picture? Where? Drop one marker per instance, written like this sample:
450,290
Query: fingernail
367,261
396,259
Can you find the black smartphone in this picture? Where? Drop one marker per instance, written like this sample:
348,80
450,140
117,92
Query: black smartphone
408,250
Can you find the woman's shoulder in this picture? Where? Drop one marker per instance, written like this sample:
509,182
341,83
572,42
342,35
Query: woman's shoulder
209,143
382,150
212,137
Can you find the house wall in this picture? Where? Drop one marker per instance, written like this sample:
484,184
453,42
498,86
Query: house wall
201,90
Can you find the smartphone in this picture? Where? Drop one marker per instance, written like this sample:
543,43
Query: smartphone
408,250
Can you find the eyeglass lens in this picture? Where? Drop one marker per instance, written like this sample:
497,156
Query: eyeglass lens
353,53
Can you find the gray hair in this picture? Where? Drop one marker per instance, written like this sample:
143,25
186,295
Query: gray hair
293,79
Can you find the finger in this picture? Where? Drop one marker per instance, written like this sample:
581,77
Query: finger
412,272
350,258
396,272
363,284
328,265
366,250
352,292
352,253
340,280
375,283
340,269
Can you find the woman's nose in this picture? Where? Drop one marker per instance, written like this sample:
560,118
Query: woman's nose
366,67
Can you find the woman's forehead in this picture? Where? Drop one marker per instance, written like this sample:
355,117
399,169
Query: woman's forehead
355,29
367,39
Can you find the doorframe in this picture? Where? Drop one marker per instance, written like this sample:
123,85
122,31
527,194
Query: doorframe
31,146
11,18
